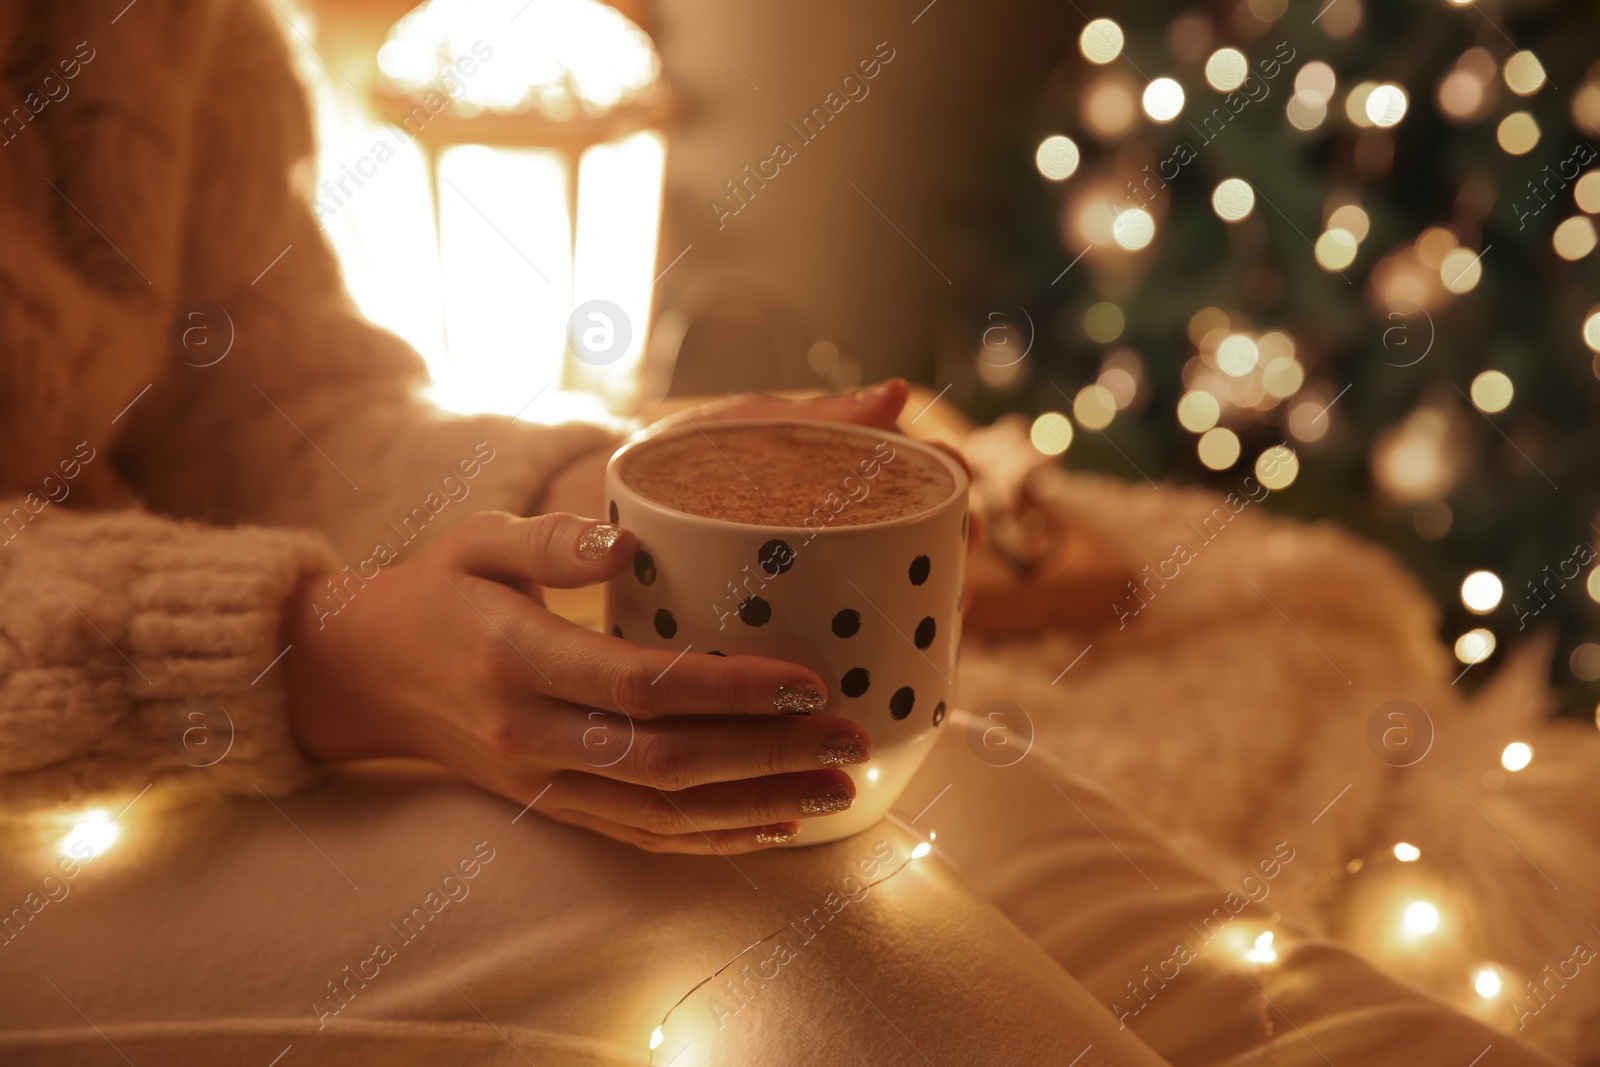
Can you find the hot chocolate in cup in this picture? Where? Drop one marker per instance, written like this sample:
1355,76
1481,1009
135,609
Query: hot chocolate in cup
840,548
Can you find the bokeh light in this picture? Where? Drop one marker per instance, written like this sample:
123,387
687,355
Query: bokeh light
1103,322
1419,919
1278,467
1587,192
1355,103
1218,448
1233,199
1094,407
1585,662
1518,133
1492,392
1481,592
1057,157
1336,249
1574,238
1316,77
1486,982
1109,107
1306,110
1283,377
1591,329
1237,355
1227,69
1406,852
1386,105
1133,229
1516,756
1475,646
1524,73
1198,411
1051,433
1163,100
1351,219
1100,41
1460,270
92,834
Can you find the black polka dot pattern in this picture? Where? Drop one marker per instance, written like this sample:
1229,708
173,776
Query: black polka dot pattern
901,703
644,567
921,567
755,612
775,557
614,518
846,623
938,713
616,631
855,682
925,631
666,625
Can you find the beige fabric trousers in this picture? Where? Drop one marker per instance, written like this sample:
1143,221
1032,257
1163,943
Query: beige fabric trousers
394,916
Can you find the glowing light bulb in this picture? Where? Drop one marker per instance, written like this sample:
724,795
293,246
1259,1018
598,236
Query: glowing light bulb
1263,951
1481,592
1406,852
656,1037
1516,756
921,850
1419,919
1486,981
90,837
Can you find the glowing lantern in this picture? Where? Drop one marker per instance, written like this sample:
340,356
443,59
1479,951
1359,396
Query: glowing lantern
546,165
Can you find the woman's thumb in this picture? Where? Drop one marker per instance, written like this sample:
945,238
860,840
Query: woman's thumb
557,550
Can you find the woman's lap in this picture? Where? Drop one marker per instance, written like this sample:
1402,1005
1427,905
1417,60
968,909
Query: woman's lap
398,914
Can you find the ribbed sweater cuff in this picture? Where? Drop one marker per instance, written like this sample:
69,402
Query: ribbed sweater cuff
178,672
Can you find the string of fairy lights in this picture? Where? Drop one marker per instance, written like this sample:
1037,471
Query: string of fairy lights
1242,373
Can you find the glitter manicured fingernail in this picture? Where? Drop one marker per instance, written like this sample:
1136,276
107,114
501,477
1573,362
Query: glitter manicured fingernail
841,750
826,801
597,540
798,701
775,835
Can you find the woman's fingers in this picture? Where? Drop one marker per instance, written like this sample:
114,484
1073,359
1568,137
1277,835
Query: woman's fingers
877,405
558,550
680,753
603,671
780,798
706,843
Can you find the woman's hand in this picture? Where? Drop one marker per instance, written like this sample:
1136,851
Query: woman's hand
452,657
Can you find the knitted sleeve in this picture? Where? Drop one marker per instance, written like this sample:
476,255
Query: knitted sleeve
135,649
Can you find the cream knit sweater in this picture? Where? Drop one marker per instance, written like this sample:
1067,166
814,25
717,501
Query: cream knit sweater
154,512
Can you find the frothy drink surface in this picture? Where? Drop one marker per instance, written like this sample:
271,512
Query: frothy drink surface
854,479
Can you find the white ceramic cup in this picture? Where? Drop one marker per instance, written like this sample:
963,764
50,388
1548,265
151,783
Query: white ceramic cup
873,609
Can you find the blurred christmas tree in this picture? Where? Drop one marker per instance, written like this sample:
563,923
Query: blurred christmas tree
1361,231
